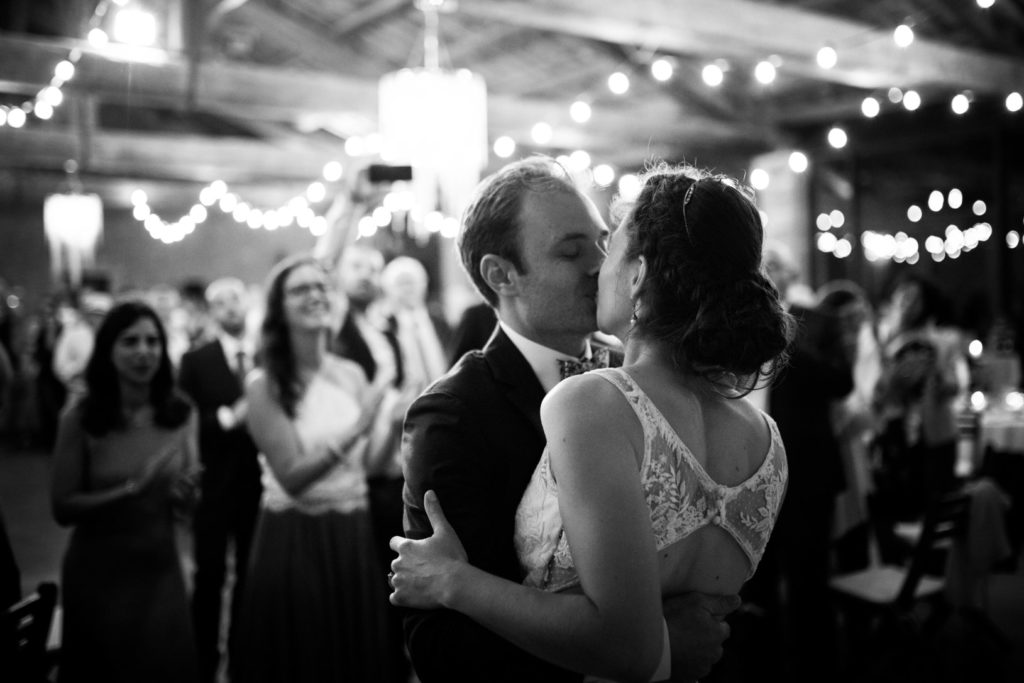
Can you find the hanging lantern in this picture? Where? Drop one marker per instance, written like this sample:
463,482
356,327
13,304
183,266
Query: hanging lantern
73,223
435,120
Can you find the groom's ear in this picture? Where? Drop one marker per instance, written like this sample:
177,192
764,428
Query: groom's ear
499,274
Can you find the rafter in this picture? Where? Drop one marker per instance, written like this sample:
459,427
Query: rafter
251,92
743,29
366,14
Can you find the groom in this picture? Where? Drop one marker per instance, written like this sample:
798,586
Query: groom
533,245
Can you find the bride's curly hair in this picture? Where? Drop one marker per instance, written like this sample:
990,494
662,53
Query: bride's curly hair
706,295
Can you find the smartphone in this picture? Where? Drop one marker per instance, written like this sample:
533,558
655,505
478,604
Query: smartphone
383,173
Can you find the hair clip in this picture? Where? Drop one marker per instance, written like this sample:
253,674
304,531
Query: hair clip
686,200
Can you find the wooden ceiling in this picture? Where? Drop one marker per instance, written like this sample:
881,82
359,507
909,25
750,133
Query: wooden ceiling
263,92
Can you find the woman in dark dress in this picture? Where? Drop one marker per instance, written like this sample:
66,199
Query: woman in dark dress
314,606
125,465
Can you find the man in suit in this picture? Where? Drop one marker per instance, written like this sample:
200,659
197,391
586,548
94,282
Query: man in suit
212,375
533,246
472,331
366,338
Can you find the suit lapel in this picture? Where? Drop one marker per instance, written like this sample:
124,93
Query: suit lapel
512,371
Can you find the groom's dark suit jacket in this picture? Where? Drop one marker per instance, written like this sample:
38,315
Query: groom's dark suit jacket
474,437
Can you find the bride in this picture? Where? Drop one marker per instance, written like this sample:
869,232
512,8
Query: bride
666,482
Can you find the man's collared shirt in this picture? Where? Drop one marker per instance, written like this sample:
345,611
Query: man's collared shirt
543,360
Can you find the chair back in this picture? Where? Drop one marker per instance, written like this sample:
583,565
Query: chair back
945,520
26,628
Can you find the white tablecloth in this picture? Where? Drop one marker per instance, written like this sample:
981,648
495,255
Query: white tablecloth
1002,430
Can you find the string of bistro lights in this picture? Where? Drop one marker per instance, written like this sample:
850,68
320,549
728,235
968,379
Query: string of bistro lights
301,209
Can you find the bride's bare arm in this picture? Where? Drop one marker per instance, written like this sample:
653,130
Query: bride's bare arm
614,627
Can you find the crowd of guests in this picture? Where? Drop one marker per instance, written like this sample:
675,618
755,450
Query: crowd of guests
228,461
263,424
870,411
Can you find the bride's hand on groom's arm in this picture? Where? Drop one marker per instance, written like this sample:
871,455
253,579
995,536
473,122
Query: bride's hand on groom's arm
423,573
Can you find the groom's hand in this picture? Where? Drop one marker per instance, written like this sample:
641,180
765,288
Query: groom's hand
697,629
421,575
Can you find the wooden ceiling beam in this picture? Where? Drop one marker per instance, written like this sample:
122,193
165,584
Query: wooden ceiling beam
167,157
747,30
366,14
273,94
244,91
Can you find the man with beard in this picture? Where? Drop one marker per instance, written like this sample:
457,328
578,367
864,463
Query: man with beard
212,375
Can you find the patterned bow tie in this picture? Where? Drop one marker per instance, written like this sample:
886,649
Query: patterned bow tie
575,366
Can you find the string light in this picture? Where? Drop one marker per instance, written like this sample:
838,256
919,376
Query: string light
798,162
759,179
870,107
604,175
765,72
219,195
580,111
504,147
837,137
960,104
903,36
541,133
713,75
661,69
827,57
951,244
618,83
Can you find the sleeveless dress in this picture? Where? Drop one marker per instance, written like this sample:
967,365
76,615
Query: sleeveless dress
315,600
125,609
682,497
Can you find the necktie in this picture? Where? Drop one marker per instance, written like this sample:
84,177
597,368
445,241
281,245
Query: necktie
576,366
240,368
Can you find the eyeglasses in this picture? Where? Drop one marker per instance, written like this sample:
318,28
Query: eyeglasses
306,288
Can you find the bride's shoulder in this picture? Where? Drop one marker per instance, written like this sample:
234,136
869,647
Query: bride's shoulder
587,397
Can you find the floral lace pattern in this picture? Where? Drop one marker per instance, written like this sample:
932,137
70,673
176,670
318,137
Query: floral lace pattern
681,495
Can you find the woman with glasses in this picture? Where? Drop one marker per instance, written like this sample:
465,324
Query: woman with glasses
314,606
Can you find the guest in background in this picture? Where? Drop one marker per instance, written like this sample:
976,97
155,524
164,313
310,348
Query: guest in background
166,301
924,375
475,327
421,332
793,583
125,464
213,376
420,335
7,379
360,337
73,346
853,417
10,575
198,325
315,600
368,338
50,393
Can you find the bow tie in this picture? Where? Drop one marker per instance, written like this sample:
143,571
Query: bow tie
575,366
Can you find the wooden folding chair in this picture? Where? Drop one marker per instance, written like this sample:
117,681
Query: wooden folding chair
26,629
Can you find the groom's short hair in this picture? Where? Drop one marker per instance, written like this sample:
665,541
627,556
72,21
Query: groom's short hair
490,224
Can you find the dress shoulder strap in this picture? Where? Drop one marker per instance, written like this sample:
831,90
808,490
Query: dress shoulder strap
632,392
